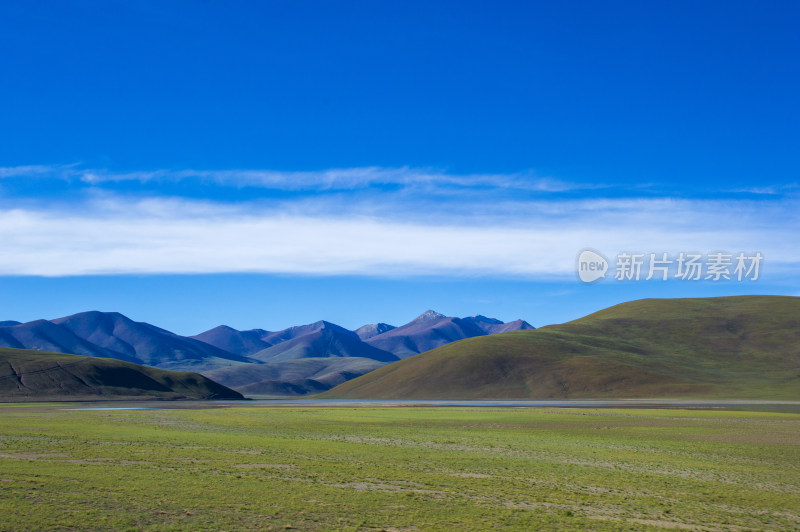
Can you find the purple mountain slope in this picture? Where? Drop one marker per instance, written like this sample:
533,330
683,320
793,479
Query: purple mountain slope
44,335
243,343
295,332
322,339
145,343
431,329
250,342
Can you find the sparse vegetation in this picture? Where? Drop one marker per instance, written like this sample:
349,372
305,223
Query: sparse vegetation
397,469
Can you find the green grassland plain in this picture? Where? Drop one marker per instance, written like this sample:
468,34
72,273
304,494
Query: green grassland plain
397,468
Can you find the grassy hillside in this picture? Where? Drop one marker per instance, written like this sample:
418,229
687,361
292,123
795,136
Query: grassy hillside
729,347
38,375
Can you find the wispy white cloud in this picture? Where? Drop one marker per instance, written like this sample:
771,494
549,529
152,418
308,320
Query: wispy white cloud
58,171
322,180
113,235
429,181
341,178
769,190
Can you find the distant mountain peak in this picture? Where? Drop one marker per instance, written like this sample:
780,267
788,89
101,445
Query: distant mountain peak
97,314
428,315
482,318
322,324
371,330
226,328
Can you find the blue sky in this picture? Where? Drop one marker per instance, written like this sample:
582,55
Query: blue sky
274,163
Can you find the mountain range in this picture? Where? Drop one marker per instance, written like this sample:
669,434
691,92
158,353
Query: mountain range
295,361
431,330
744,347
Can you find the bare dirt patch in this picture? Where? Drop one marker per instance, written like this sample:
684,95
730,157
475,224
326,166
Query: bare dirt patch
32,456
264,466
380,486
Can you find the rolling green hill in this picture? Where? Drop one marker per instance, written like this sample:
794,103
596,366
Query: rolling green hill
40,375
744,347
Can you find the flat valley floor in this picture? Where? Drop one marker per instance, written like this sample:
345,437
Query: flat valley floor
397,468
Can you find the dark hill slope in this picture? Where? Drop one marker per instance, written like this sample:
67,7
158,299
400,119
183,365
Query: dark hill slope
728,347
37,375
